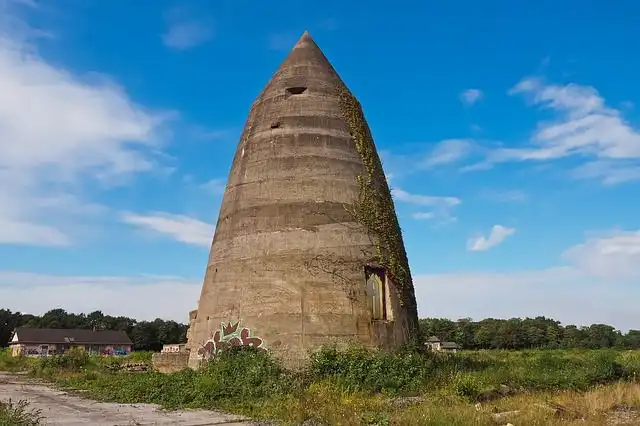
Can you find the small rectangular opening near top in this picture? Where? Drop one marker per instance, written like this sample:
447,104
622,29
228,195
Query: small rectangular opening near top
296,90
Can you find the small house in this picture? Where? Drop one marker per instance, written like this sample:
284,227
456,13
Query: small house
173,348
435,344
56,341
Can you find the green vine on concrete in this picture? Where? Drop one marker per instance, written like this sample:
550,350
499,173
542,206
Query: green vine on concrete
374,208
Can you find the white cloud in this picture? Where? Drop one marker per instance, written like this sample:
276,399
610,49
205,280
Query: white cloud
423,215
564,294
598,285
215,186
576,293
58,130
424,200
612,255
498,234
187,34
447,152
506,196
608,171
471,96
441,206
187,27
181,228
173,297
584,126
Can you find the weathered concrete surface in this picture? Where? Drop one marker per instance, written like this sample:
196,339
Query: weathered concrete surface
288,255
61,408
170,362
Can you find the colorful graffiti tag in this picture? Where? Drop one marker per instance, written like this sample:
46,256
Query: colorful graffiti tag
228,336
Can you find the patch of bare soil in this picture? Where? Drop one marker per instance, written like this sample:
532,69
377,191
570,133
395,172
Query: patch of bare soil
622,415
61,408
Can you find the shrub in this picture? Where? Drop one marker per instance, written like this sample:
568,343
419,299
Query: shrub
74,360
140,356
404,372
19,414
11,363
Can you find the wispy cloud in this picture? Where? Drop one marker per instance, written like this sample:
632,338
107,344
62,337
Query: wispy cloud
496,237
33,293
584,127
424,200
597,283
206,134
506,196
423,215
60,130
448,151
215,186
441,206
588,289
181,228
186,28
608,171
28,3
613,255
471,96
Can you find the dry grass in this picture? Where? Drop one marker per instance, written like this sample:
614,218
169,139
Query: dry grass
615,404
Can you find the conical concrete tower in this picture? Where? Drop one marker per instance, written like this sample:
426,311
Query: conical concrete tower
307,248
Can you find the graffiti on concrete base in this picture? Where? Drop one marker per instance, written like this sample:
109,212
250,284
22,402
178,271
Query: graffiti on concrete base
228,336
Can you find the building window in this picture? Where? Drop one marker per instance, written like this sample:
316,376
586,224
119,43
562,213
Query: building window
376,292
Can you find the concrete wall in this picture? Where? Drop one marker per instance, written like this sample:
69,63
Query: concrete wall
286,266
170,362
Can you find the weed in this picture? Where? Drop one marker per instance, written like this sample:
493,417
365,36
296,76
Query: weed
18,414
355,386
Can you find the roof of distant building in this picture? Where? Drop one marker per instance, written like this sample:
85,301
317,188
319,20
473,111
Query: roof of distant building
75,336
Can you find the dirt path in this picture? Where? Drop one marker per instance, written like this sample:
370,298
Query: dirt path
60,408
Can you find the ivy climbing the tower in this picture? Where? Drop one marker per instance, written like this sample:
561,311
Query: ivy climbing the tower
374,208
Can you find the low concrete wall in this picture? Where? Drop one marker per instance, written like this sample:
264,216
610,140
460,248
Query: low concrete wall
170,362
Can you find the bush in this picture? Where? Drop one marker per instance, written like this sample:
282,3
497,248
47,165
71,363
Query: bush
253,383
404,372
140,356
19,414
74,360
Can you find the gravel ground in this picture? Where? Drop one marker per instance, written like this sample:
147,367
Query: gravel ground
61,408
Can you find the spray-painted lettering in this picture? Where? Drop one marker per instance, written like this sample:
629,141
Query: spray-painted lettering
229,335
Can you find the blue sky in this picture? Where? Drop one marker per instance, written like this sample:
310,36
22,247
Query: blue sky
510,135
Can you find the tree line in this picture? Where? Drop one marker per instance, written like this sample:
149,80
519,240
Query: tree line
146,335
490,333
527,333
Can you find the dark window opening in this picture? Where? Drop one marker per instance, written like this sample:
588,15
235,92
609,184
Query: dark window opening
376,291
275,125
298,90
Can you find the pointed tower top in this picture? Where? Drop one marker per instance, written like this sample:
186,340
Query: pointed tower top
305,66
304,40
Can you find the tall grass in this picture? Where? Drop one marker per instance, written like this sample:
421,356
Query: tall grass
19,414
349,386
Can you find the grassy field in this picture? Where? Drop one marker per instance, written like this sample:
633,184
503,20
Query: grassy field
356,387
